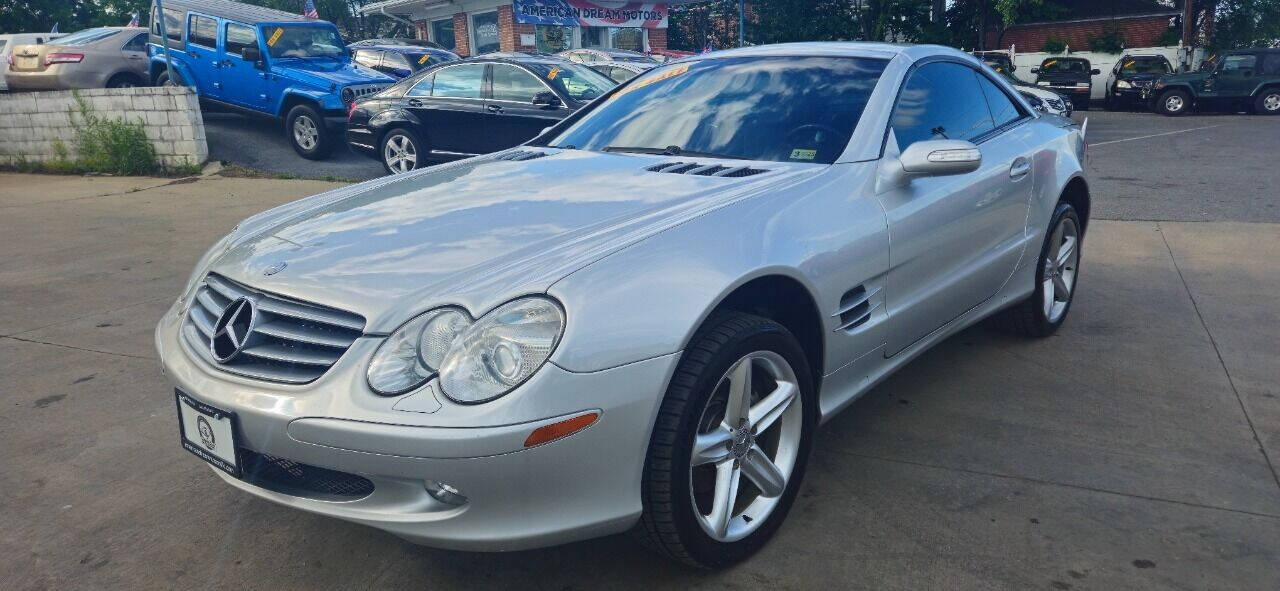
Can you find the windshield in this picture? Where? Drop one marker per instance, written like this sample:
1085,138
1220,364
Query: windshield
785,109
999,64
86,36
581,83
1144,66
1064,65
304,41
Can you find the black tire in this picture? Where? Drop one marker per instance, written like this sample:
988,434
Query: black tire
321,142
668,524
1166,101
1028,317
419,148
163,79
1110,103
123,80
1267,102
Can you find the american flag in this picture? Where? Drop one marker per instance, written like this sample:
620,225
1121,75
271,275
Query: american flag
309,10
133,22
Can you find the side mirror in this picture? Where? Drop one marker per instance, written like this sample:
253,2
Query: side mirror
253,54
546,98
1095,72
940,158
1035,70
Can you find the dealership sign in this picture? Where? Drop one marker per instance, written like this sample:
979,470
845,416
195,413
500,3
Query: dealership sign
585,13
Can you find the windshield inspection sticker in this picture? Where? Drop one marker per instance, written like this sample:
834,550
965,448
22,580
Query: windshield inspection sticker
275,37
553,73
423,59
802,154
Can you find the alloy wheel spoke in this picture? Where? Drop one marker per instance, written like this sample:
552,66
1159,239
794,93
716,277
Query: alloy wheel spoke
1065,251
728,474
757,467
765,412
1061,291
711,447
739,403
1049,295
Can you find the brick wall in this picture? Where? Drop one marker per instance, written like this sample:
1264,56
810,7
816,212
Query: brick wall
524,29
421,27
461,35
32,124
1138,31
506,29
657,38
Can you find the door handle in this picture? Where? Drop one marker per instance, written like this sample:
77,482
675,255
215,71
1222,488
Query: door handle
415,103
496,109
1021,166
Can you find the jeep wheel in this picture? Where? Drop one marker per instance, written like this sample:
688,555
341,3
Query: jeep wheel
305,130
1268,102
1174,103
163,80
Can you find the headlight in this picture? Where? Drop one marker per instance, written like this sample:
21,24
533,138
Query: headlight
1123,84
501,350
415,351
348,95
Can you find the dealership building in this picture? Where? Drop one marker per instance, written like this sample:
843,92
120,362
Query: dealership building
474,27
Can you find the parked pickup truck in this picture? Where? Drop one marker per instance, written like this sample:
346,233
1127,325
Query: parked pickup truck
1069,76
1248,78
266,62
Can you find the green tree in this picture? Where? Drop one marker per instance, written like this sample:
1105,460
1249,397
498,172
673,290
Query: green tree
1246,23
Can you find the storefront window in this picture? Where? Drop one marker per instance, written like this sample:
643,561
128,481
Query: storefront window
595,37
631,39
553,39
484,27
442,33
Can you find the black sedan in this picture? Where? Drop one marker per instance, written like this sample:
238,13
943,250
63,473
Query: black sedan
469,107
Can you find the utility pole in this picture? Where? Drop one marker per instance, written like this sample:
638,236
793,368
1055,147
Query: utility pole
742,17
1188,23
164,42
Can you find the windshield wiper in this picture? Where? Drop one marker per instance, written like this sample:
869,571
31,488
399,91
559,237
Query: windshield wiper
668,151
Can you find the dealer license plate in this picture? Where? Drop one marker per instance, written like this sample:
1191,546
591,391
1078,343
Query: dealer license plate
208,432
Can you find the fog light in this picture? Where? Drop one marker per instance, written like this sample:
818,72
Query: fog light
445,493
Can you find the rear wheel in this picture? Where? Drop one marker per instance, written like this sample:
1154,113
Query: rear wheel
1268,102
1174,102
402,151
306,132
729,447
1041,314
123,81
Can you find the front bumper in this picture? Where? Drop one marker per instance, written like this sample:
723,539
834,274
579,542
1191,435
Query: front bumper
582,486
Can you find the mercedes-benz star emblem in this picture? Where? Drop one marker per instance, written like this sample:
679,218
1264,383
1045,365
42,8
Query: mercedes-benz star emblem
232,329
276,268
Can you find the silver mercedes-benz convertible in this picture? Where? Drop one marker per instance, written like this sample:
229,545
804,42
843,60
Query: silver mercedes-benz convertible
637,320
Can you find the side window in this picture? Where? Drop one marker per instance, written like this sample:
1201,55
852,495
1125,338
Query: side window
1003,111
172,24
1236,63
202,30
395,60
368,58
240,37
459,81
1271,64
514,84
138,43
422,87
941,100
621,75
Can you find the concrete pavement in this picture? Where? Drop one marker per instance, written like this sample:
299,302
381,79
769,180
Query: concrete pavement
1136,449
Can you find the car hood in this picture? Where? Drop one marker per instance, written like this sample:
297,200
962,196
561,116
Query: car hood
474,233
1138,77
1185,77
336,71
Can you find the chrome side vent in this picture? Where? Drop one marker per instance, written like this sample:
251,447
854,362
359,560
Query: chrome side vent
288,340
700,169
521,155
856,307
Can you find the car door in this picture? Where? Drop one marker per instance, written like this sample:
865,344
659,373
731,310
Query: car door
1235,77
202,55
244,80
453,116
512,118
955,239
135,54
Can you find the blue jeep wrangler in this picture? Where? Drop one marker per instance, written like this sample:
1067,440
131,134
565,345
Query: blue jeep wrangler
257,60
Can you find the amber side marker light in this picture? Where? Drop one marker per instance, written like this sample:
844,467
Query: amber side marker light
565,428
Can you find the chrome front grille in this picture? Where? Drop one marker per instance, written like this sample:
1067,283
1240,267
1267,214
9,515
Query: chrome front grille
289,341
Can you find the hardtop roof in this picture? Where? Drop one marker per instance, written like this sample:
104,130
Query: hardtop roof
237,11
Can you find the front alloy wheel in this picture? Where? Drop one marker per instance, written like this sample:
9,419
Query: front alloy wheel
1174,102
728,450
1041,314
306,131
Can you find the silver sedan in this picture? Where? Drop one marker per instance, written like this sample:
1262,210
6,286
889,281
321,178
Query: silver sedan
637,320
